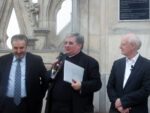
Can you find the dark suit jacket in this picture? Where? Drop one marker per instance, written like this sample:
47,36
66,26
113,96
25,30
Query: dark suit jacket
136,91
82,102
36,82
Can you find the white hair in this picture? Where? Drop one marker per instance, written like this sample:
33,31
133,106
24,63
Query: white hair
136,40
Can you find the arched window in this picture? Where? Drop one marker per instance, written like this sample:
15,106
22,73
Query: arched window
64,15
13,28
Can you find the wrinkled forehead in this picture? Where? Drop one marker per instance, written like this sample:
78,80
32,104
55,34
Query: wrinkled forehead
72,39
127,36
124,41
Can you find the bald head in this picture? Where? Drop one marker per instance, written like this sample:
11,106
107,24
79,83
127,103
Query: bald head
130,35
133,39
130,43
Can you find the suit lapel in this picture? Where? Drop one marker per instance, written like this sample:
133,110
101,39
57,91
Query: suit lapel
137,66
122,71
27,75
7,71
27,64
8,66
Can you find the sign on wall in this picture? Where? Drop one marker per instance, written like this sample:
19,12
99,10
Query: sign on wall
134,9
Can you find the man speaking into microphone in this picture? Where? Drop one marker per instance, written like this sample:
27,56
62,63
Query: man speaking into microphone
75,97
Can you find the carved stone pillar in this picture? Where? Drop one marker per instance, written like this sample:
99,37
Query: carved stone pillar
31,44
42,37
75,15
34,9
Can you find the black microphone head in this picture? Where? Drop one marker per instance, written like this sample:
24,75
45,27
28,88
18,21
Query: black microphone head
56,67
132,66
61,56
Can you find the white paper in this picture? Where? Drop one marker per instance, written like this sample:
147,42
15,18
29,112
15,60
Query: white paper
72,71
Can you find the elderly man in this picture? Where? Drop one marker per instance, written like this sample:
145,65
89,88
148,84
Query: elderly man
76,97
129,82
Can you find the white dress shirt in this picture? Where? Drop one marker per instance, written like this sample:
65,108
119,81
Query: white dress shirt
129,65
11,80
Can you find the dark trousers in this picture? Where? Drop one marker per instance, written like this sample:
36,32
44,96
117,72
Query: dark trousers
26,106
57,107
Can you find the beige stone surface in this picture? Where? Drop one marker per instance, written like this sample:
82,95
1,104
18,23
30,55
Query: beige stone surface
97,20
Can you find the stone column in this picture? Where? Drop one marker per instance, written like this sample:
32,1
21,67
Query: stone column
34,9
42,37
75,16
31,44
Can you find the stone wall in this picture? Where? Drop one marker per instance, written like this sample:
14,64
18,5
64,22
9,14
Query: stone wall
97,20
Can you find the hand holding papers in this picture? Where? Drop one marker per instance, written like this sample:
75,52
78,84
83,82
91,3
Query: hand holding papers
72,71
76,85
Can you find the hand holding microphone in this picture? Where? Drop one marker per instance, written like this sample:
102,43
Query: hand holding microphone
56,65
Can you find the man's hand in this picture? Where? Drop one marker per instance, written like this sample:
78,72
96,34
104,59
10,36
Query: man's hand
118,103
54,63
76,85
121,110
119,107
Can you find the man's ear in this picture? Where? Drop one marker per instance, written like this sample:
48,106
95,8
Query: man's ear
80,46
133,45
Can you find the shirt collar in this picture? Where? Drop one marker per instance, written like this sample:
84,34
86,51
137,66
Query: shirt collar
133,60
22,59
74,55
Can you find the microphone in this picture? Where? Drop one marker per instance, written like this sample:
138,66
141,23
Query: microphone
55,69
132,67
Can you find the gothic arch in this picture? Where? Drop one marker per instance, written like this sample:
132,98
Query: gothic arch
6,6
43,29
23,16
50,13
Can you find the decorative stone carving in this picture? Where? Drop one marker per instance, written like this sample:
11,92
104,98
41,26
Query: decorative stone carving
41,31
33,10
42,37
31,43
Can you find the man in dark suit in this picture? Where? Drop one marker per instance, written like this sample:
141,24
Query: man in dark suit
33,82
129,82
76,97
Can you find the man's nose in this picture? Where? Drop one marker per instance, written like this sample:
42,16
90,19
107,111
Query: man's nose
67,44
18,51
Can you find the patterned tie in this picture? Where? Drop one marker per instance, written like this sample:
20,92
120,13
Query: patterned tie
17,90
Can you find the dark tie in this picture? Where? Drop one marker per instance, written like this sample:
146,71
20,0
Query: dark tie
17,90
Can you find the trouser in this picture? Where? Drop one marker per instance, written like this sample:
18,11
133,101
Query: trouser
10,107
26,106
57,107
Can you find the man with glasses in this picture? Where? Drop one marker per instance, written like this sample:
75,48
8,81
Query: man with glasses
75,97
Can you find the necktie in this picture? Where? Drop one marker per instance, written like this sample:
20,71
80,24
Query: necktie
17,90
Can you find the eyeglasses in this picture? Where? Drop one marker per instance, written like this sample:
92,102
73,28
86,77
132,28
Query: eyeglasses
69,43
